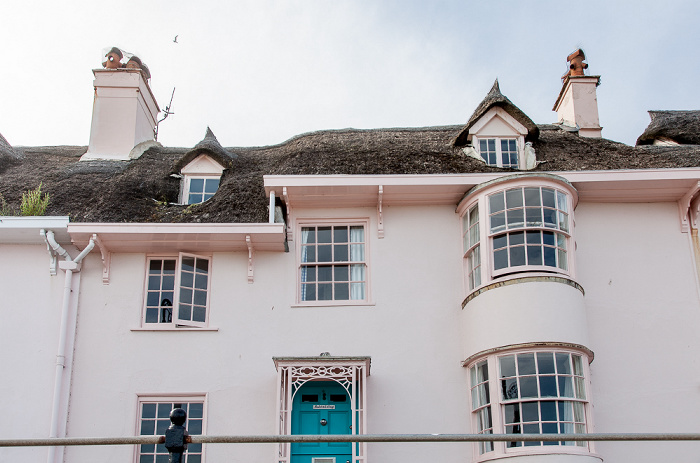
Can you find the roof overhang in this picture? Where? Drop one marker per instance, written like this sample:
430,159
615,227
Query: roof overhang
27,230
315,191
170,237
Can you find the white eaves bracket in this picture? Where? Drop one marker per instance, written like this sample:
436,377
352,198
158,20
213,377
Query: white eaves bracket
251,253
689,208
380,213
106,258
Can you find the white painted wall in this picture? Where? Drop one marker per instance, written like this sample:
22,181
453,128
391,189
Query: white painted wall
641,307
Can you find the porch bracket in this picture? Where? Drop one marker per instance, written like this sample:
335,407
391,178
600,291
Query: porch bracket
106,258
689,215
380,214
251,252
290,223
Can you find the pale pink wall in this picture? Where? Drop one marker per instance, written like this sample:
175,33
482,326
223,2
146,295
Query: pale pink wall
411,332
644,315
30,307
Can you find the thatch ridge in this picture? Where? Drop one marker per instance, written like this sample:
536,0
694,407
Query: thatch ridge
496,98
680,126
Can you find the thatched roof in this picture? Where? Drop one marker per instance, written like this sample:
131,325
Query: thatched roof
496,98
143,190
680,126
209,146
7,153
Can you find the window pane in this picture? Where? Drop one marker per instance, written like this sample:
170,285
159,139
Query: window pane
148,411
509,388
324,234
211,185
515,218
342,291
325,273
200,281
496,202
188,264
531,411
563,365
340,253
528,386
514,198
548,198
357,291
526,364
308,235
324,252
550,217
517,256
532,196
512,413
500,259
202,265
507,365
561,201
185,312
196,411
550,258
566,386
341,273
308,292
548,386
325,292
340,234
548,410
533,216
498,221
545,363
534,255
516,238
197,185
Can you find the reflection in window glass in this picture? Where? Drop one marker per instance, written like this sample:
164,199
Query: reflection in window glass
201,189
528,378
154,419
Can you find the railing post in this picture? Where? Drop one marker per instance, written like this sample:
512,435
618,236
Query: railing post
176,436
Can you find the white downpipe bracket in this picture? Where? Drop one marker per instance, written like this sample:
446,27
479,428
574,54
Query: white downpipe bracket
70,266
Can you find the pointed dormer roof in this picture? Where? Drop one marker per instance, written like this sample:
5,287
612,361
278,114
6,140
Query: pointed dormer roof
496,98
209,146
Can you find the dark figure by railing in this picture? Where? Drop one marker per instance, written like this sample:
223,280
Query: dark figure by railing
176,436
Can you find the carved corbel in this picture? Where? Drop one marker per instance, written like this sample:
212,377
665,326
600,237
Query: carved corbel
251,252
106,258
380,214
685,211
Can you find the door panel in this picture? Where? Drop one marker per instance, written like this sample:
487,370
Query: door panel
321,407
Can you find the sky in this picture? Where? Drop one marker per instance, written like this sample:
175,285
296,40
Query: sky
261,71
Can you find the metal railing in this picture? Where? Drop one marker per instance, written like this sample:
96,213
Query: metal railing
276,439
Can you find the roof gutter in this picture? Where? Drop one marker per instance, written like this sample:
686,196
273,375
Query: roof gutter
69,310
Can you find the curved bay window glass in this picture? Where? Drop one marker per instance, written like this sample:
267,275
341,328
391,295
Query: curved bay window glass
542,393
481,403
528,226
472,248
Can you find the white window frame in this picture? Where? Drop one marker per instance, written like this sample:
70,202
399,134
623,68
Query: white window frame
498,150
170,399
560,230
176,320
304,223
471,242
498,406
187,180
479,197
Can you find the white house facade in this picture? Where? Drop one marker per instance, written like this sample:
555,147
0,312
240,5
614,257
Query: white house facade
498,277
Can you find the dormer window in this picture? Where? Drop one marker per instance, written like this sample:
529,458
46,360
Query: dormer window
499,134
199,189
200,180
499,152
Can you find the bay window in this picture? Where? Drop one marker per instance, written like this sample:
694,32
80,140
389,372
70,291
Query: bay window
540,391
516,224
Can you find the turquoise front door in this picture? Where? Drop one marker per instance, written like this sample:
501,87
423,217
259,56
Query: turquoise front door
321,407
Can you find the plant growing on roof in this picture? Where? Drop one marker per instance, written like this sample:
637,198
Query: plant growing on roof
33,203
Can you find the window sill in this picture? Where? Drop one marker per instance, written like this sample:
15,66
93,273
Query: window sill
334,304
172,328
522,277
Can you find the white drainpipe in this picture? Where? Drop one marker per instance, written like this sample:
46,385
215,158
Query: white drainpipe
69,266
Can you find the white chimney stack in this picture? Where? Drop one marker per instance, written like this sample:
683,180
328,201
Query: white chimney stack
124,113
577,104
